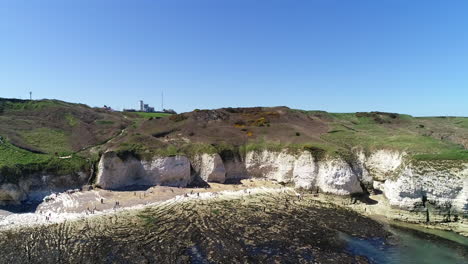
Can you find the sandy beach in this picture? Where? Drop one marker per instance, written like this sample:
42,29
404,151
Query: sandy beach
65,206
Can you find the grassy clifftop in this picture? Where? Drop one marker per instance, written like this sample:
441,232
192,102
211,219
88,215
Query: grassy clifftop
426,138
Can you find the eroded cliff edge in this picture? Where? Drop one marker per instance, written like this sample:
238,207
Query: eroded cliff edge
407,184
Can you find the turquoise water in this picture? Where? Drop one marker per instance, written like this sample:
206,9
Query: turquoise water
411,247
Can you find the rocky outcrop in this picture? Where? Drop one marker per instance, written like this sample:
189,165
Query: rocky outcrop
440,184
234,165
336,176
117,173
11,193
34,187
331,175
209,167
359,168
383,164
305,171
271,165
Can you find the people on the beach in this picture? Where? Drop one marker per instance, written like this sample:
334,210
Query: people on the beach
299,196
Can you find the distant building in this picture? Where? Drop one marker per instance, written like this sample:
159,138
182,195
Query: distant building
149,109
145,107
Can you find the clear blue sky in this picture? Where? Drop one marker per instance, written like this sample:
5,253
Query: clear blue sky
340,56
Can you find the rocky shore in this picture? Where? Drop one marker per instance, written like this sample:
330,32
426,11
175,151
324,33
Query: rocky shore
255,225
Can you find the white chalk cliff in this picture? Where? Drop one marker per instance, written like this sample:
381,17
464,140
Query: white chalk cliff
116,173
331,175
209,167
407,184
443,184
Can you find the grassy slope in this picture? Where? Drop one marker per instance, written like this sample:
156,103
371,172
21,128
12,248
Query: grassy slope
15,162
149,115
428,138
35,134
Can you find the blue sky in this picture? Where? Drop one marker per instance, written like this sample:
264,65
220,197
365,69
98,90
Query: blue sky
339,56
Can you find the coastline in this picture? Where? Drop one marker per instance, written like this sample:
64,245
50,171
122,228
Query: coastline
76,206
50,217
259,222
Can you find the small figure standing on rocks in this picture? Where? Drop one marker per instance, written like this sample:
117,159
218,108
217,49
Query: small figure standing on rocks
102,200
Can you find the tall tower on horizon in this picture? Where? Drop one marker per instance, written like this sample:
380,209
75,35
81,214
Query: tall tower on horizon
30,95
142,106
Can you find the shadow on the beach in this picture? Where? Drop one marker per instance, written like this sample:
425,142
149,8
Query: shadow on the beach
132,188
25,207
365,199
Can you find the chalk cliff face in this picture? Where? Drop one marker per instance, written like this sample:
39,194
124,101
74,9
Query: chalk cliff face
441,184
407,185
383,164
117,173
271,165
336,176
331,175
234,165
305,171
35,187
209,167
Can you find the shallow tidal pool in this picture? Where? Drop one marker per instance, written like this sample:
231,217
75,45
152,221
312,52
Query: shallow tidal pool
262,228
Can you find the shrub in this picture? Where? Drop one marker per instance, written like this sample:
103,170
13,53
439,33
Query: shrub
178,118
260,122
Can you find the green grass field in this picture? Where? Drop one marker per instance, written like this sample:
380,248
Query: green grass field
403,133
48,140
14,162
148,115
